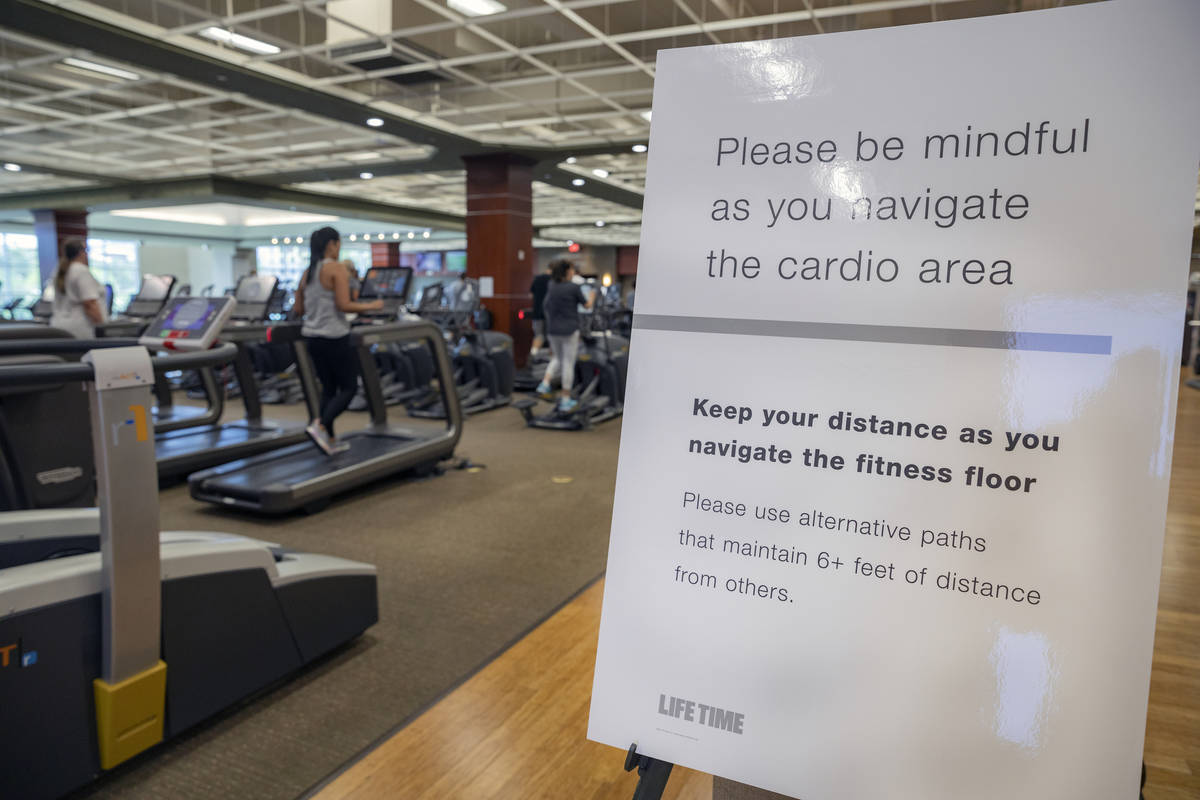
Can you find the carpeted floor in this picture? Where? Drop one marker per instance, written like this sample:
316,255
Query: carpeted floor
467,561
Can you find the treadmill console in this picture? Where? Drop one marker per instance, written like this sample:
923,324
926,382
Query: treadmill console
44,306
389,284
150,297
253,295
188,323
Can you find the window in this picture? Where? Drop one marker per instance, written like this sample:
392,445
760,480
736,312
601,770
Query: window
288,263
116,262
283,262
19,274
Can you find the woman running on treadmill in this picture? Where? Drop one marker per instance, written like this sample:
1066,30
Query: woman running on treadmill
77,307
563,299
323,299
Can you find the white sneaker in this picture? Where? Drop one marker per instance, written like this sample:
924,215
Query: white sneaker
321,439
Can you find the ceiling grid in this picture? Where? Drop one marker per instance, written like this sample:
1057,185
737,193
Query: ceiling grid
554,78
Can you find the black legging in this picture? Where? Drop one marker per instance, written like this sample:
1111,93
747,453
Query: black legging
337,369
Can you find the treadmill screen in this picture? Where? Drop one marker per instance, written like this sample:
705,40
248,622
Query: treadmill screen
386,282
255,289
155,287
149,299
188,322
253,295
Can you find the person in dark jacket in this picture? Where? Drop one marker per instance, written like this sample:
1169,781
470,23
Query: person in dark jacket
563,299
539,287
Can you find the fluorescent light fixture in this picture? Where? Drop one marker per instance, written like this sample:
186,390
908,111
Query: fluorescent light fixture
366,176
476,8
274,240
639,148
103,69
578,182
645,115
224,214
375,122
600,173
370,156
599,223
411,234
240,42
11,167
395,235
425,234
571,159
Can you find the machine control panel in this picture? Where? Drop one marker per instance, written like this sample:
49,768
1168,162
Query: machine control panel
188,323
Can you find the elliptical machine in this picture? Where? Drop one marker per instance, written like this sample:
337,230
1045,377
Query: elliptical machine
601,369
483,359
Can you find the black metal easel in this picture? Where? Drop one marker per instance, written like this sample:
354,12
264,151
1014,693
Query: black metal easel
652,774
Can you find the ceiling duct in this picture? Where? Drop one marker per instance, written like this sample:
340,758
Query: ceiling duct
348,29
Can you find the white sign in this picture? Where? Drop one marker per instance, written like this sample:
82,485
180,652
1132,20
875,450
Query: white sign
893,476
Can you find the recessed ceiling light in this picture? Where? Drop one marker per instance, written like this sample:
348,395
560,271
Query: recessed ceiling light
240,42
411,234
375,122
381,237
354,237
645,115
274,240
366,176
639,148
477,8
103,69
11,167
395,235
287,240
425,234
571,159
299,240
578,182
599,223
600,173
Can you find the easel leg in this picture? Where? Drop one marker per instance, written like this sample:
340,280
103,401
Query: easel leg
652,774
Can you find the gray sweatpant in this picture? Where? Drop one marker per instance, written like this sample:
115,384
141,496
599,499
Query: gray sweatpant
564,350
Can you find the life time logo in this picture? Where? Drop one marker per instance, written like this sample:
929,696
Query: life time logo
11,655
138,419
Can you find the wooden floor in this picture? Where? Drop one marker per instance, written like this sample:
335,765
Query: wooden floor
518,728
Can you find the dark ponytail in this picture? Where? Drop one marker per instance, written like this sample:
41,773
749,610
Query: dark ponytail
71,250
316,248
559,269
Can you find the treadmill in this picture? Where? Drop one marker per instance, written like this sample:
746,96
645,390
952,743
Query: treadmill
181,452
303,477
144,306
115,637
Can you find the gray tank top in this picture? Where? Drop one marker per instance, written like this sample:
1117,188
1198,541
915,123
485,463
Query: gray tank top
321,315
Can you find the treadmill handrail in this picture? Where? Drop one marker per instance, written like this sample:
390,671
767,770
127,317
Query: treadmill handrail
51,374
403,330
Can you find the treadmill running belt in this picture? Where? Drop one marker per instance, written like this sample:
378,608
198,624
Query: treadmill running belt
305,462
190,440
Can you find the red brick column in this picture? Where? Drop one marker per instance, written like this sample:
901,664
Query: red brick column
500,239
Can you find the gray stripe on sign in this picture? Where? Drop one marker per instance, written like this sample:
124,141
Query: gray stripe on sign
889,334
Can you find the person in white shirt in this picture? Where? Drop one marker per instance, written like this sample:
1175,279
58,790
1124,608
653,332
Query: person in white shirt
77,307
